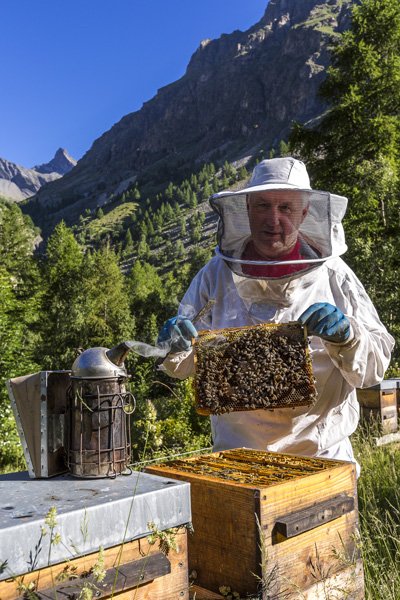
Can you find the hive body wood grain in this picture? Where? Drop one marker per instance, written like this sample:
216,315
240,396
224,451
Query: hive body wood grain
172,586
235,540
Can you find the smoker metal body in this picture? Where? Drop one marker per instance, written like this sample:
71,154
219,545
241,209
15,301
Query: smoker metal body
98,414
98,443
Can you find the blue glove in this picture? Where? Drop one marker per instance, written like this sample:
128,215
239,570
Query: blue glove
178,333
327,322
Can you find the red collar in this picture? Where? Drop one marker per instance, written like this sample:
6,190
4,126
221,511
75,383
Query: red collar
250,253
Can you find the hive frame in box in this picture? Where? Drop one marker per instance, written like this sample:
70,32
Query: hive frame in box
294,330
39,402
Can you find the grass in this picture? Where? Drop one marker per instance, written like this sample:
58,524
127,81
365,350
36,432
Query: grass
320,19
379,509
109,222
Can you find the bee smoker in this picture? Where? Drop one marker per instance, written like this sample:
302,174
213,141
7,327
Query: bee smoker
98,442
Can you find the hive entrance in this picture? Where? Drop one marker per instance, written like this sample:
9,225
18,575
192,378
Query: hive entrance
256,367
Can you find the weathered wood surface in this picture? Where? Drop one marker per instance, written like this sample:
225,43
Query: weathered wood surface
376,398
171,586
344,585
315,555
199,593
300,521
117,579
380,405
235,544
389,438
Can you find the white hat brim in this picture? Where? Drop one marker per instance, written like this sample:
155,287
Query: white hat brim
266,188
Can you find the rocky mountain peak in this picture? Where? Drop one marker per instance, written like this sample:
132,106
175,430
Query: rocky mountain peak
61,163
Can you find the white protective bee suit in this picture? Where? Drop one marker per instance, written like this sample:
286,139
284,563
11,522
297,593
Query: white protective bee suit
324,429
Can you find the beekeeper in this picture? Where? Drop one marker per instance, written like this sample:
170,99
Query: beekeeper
278,260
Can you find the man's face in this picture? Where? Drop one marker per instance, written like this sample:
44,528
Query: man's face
275,218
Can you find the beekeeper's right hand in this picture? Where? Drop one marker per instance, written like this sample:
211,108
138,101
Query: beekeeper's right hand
178,332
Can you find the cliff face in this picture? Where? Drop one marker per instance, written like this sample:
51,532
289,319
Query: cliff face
240,93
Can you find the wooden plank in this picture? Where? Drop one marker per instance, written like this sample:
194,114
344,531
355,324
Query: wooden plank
169,587
388,398
376,398
223,549
130,575
386,417
172,473
300,521
390,438
199,593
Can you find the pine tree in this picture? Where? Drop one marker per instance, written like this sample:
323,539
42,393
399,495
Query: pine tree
12,345
143,250
128,246
169,212
182,227
146,295
107,318
179,249
61,311
143,229
363,88
193,200
170,191
16,238
283,148
207,191
243,173
19,293
355,149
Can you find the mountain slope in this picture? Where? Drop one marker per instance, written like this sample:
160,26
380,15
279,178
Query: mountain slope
239,93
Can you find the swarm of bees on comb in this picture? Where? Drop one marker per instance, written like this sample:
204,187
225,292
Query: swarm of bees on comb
258,367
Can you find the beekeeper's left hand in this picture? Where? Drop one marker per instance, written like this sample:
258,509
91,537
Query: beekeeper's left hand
327,322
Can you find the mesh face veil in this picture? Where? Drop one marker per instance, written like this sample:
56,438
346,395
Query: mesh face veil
278,226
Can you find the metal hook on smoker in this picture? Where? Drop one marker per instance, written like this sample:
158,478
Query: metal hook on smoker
130,407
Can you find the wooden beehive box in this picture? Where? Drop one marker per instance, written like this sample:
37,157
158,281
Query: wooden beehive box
131,529
272,525
379,403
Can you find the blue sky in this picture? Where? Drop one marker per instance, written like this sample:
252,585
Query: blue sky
73,68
